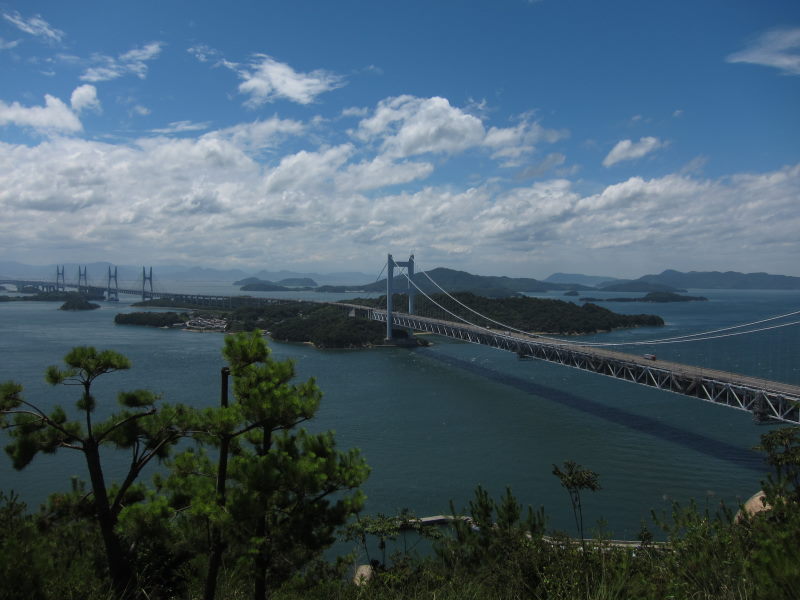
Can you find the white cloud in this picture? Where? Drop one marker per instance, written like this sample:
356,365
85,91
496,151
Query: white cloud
272,190
35,26
140,110
85,97
381,172
132,62
267,80
4,45
407,126
259,135
181,127
203,53
778,48
629,150
310,171
555,159
53,117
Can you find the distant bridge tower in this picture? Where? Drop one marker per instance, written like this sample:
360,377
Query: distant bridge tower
61,284
112,294
145,278
83,280
390,265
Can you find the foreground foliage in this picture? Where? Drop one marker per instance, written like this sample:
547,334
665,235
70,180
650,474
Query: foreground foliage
251,518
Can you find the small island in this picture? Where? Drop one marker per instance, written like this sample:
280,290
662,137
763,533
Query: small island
78,302
652,297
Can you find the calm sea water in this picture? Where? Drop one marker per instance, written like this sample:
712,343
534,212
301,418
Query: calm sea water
434,423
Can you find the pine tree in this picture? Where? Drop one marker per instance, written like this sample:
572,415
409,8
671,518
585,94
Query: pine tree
278,492
139,428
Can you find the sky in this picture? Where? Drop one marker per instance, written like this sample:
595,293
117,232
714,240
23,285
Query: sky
509,137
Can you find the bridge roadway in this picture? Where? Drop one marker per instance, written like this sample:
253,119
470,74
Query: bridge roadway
766,400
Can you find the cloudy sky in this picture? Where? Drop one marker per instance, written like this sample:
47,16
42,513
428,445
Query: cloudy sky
495,136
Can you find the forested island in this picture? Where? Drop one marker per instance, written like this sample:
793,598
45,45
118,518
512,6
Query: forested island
78,302
35,295
652,297
540,315
329,326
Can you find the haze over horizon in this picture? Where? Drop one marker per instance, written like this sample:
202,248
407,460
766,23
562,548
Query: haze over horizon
518,137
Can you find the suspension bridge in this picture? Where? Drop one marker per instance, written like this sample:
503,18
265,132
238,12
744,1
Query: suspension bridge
766,400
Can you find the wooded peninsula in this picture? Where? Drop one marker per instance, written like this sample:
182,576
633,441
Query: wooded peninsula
329,326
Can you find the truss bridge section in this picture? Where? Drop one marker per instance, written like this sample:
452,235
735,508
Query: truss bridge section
768,401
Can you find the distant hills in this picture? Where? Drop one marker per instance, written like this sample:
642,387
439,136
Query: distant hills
671,281
461,281
590,280
452,280
729,280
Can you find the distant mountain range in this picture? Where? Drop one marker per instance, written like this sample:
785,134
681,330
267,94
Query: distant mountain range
450,279
461,281
671,280
590,280
729,280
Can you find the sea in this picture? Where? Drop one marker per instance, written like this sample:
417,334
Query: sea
433,423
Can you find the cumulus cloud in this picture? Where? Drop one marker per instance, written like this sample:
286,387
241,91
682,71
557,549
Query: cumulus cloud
381,172
53,117
265,190
411,126
85,97
35,26
778,48
630,150
259,135
407,126
132,62
267,80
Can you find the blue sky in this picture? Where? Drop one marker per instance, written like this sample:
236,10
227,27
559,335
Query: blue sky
514,137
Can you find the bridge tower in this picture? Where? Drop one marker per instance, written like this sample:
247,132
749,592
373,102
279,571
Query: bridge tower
61,284
390,265
145,278
112,295
83,280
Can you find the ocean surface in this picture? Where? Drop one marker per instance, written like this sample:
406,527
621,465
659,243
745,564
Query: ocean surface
435,422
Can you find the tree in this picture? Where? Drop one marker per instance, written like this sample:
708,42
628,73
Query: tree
269,500
139,428
575,478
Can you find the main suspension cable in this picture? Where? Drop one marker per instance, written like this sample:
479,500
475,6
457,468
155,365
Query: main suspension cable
691,337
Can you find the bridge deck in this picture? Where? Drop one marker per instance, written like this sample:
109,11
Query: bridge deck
767,400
